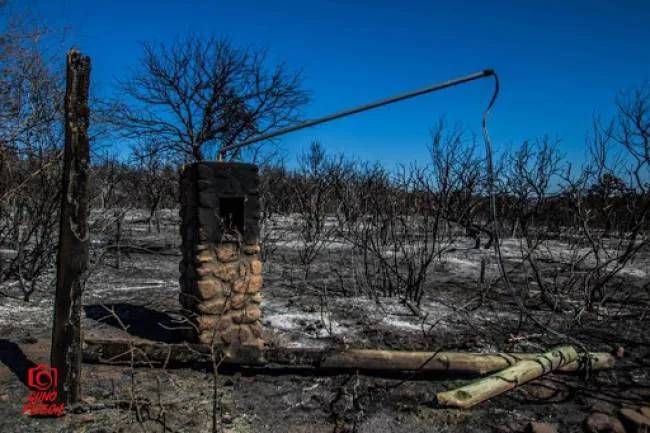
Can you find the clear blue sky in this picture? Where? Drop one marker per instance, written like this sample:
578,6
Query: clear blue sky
560,62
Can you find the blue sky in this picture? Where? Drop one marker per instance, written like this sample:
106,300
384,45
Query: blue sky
560,62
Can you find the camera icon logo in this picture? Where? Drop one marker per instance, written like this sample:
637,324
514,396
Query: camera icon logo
42,377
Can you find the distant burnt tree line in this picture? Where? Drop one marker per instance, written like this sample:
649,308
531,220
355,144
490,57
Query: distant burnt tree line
537,193
402,221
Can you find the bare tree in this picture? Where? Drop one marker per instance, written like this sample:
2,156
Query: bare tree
531,169
275,201
196,96
155,178
30,131
395,221
112,185
608,195
311,187
460,178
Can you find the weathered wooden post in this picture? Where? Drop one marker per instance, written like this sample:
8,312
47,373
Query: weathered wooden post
72,259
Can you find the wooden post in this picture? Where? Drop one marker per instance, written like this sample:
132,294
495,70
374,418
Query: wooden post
72,258
507,379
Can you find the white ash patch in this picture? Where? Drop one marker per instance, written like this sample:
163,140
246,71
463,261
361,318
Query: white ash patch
634,272
144,291
145,287
391,313
307,344
277,316
401,323
305,328
16,311
326,245
308,323
457,265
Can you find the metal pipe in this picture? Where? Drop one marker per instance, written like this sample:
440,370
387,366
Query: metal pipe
358,109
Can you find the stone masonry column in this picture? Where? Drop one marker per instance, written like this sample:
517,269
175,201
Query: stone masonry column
221,268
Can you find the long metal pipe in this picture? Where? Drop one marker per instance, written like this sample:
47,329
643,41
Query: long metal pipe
358,109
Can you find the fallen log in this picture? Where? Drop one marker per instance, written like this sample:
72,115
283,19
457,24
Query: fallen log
459,362
498,383
145,352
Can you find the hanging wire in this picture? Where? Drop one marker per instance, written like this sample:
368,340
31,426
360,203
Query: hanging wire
489,156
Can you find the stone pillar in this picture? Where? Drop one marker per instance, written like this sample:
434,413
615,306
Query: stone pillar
221,268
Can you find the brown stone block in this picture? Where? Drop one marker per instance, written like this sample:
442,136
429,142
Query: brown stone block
235,316
256,328
256,267
252,249
206,269
254,284
253,313
201,247
205,322
245,333
255,299
226,320
243,269
208,288
204,256
227,271
238,301
240,285
250,314
230,334
217,305
256,343
206,337
228,252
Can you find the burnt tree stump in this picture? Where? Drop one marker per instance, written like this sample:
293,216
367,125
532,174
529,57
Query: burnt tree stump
72,258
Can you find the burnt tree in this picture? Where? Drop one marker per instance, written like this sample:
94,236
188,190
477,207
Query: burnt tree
195,96
72,259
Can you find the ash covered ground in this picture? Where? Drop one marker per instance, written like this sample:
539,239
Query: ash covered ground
328,309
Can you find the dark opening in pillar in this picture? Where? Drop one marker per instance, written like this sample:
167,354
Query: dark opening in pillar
231,212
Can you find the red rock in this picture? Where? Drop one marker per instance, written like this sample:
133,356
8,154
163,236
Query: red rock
599,422
604,407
